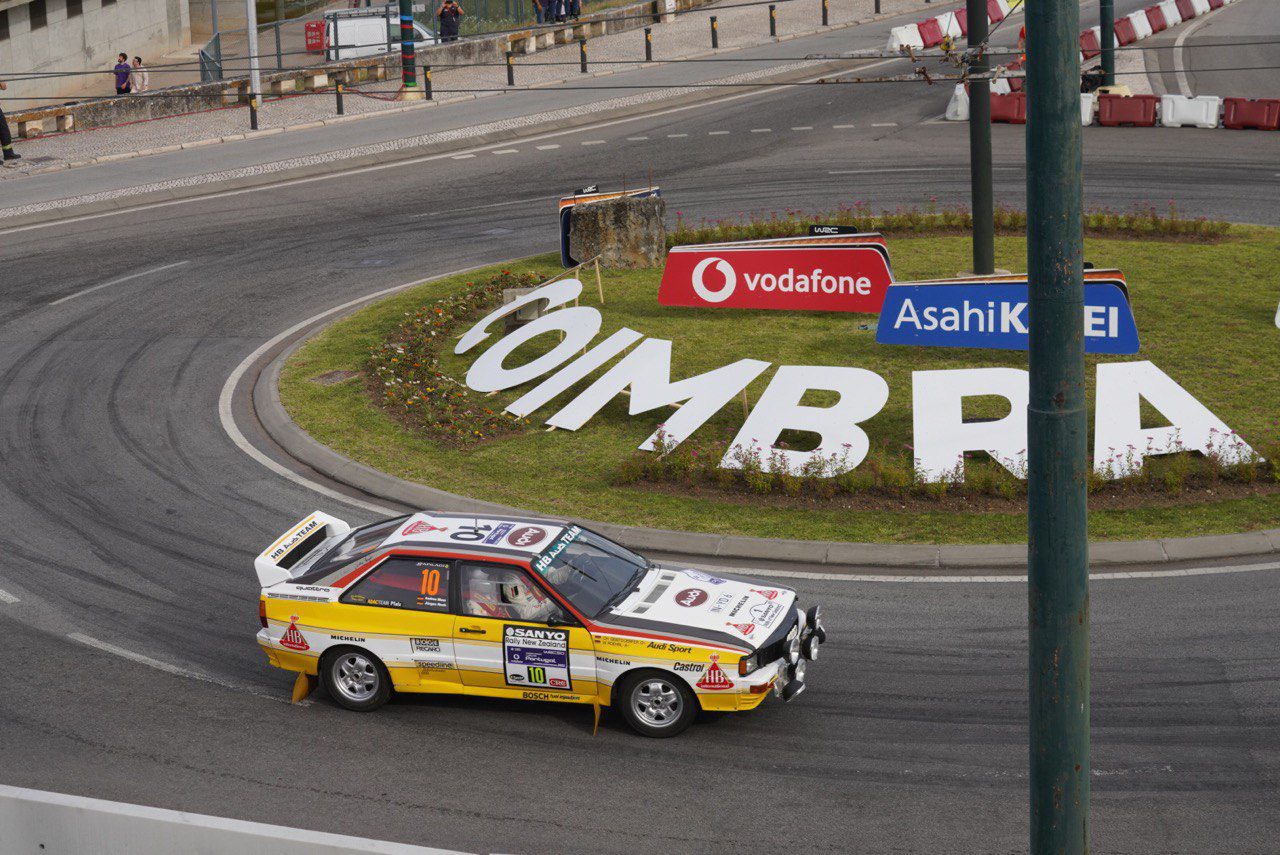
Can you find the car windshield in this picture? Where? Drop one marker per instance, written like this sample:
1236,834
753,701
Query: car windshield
359,542
590,571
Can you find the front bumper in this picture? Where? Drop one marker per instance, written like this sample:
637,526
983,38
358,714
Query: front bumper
802,646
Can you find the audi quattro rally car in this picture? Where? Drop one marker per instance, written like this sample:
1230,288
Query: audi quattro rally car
523,608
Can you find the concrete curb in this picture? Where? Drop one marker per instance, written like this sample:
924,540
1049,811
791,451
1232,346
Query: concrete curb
299,445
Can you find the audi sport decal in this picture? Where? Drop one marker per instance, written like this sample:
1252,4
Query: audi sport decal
536,657
847,274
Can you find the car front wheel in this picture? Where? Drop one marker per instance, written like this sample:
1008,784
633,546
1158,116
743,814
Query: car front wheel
656,704
356,679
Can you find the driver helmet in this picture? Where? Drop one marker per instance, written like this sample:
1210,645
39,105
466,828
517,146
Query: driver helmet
528,602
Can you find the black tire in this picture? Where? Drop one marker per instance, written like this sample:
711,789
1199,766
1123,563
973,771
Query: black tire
355,679
655,703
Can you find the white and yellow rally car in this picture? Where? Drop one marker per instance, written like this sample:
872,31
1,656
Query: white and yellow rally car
523,608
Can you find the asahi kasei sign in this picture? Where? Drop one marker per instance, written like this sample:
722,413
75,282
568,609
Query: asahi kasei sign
842,273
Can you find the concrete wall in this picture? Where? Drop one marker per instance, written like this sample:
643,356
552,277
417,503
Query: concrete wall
87,42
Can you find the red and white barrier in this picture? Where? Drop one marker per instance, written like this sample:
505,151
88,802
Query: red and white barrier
1179,111
1136,110
1258,113
904,37
1172,16
1156,19
1201,7
949,25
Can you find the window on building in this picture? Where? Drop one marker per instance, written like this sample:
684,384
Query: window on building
4,26
75,8
108,2
39,14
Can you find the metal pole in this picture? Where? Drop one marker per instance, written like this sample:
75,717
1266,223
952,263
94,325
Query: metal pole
773,21
279,50
255,79
213,15
426,82
1057,429
715,33
648,44
337,92
1107,19
408,67
984,249
582,55
511,70
824,13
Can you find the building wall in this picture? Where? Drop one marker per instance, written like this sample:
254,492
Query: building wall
86,42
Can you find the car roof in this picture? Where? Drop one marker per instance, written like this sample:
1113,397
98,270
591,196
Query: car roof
525,537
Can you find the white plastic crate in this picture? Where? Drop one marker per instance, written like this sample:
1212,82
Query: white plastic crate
1141,26
1200,111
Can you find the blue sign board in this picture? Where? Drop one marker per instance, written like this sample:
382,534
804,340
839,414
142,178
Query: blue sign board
994,316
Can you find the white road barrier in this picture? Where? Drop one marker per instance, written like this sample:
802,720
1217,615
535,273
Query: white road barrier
958,106
1199,111
39,821
905,36
950,26
1088,105
1201,7
1141,25
1172,16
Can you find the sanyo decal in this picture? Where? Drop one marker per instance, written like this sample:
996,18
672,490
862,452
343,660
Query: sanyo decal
941,435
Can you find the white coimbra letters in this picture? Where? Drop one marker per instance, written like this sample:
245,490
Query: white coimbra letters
579,326
941,434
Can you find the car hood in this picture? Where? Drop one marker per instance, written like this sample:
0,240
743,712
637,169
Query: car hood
704,605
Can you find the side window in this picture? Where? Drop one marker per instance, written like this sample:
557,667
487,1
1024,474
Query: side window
505,593
404,583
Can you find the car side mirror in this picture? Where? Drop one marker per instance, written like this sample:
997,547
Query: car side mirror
554,622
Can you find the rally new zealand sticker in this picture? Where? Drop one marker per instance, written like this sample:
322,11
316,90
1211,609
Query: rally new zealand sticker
538,657
994,316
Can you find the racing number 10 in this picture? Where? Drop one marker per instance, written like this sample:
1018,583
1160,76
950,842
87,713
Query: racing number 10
430,582
537,674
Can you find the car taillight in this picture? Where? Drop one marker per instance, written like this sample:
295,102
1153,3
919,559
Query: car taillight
262,613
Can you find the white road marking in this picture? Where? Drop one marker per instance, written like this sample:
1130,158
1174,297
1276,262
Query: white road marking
128,278
676,136
547,147
168,668
636,139
1179,68
762,130
803,128
955,579
507,151
717,133
593,142
884,124
7,598
426,158
842,127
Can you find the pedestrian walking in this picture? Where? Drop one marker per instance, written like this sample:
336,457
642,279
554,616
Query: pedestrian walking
123,71
449,13
140,77
6,141
538,8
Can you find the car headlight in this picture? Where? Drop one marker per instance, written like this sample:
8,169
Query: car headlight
797,671
748,664
793,650
811,645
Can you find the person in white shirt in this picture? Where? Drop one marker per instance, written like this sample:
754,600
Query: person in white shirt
140,78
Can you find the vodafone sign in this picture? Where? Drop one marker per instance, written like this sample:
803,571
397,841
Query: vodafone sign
846,273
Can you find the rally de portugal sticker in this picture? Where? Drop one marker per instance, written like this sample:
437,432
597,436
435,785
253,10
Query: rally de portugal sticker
793,275
536,657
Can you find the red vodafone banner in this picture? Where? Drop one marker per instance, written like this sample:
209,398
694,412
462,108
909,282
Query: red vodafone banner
844,273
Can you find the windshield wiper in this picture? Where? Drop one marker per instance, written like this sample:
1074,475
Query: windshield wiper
626,589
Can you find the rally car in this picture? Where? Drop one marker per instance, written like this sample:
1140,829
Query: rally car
523,608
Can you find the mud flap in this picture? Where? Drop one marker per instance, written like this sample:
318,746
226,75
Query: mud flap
595,706
303,686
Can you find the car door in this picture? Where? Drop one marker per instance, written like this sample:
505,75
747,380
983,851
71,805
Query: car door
400,611
512,638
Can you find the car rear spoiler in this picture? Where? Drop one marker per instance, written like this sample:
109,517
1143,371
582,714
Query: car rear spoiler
274,564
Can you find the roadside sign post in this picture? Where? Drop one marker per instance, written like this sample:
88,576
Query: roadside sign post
1057,428
1107,35
408,68
984,241
255,79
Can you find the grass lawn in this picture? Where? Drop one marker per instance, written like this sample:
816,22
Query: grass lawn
1204,312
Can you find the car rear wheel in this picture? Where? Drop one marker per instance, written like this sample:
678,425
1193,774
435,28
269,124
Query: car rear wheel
356,679
656,704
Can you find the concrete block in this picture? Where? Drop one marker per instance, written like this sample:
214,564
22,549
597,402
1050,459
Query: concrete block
66,122
31,128
282,87
1217,546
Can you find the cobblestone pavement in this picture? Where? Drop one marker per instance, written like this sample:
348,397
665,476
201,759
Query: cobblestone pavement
686,37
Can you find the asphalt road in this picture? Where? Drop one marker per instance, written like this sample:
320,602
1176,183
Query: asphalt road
1234,52
130,520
